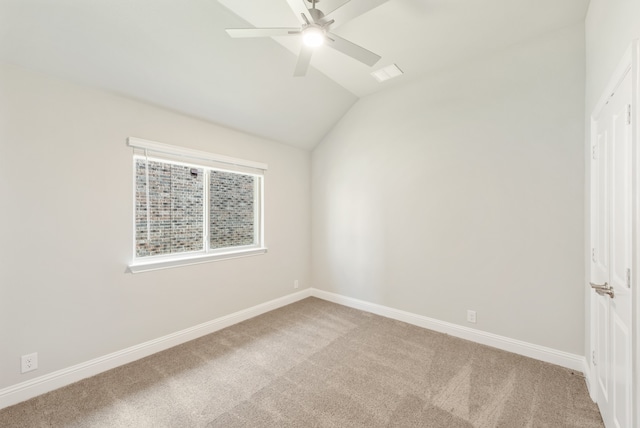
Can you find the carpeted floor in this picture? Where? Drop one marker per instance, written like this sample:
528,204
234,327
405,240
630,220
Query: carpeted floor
318,364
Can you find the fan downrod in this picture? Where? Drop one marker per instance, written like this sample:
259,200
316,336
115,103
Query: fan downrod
317,14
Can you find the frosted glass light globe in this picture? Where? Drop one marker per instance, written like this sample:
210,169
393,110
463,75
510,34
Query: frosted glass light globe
313,37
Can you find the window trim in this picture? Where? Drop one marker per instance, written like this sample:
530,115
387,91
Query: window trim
165,262
192,154
209,161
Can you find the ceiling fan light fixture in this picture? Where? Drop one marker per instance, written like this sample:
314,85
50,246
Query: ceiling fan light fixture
313,36
315,30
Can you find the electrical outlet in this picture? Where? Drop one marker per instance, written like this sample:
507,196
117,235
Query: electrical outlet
296,284
29,362
471,316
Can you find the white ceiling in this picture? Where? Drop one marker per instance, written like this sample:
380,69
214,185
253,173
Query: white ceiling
176,54
420,36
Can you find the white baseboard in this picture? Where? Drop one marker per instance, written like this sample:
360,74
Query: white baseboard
549,355
588,378
25,390
42,384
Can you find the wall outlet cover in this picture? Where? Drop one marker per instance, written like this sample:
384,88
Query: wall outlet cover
29,362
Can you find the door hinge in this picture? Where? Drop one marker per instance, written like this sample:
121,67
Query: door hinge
593,255
628,114
594,152
628,278
593,358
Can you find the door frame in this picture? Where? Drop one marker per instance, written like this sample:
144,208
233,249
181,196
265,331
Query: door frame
635,283
630,64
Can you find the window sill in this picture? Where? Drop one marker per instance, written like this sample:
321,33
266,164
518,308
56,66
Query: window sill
146,266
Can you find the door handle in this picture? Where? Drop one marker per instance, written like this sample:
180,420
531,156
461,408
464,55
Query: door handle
603,289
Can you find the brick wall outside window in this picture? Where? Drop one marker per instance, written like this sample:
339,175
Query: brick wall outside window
176,200
176,215
231,209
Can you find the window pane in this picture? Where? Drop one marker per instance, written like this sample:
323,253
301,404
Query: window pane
231,216
176,216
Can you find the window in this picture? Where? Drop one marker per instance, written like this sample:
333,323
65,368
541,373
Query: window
193,207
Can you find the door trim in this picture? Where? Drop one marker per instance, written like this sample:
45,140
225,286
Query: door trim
635,227
630,64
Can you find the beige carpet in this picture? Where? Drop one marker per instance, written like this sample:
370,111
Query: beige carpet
317,364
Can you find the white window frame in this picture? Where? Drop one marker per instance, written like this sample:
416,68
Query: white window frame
152,150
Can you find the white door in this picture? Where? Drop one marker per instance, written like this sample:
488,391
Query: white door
611,228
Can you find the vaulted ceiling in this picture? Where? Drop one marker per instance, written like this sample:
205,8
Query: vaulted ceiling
176,54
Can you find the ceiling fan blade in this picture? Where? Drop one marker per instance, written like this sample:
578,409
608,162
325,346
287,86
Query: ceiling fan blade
352,50
261,32
304,59
352,9
300,9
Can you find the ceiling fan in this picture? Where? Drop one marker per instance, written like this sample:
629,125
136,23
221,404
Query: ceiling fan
315,31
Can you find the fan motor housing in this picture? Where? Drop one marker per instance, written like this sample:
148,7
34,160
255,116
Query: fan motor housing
316,14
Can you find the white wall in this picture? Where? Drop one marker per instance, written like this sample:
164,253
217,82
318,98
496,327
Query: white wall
66,226
464,190
610,27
